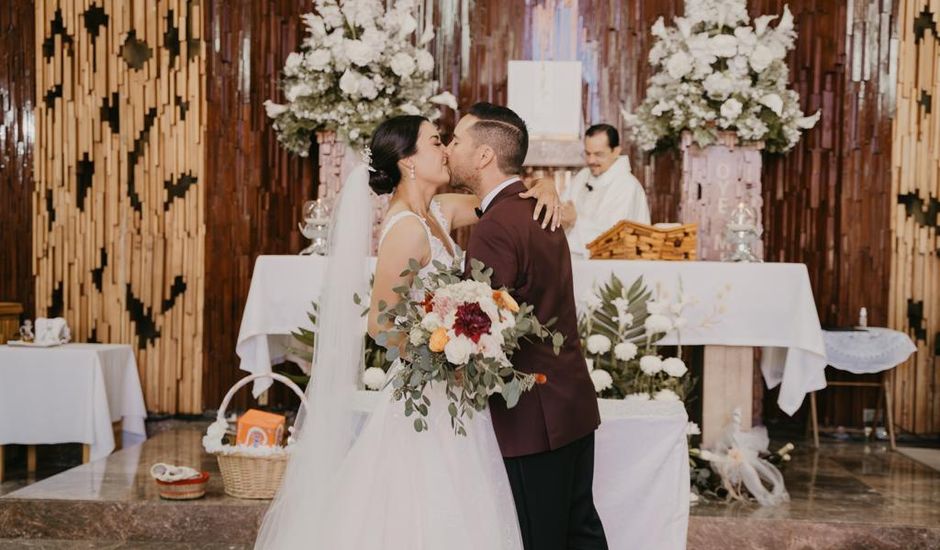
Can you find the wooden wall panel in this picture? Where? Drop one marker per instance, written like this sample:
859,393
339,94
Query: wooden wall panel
915,215
17,98
255,189
119,207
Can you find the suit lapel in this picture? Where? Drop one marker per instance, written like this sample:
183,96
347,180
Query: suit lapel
513,189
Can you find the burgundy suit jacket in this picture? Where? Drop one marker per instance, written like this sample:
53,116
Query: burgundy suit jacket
535,265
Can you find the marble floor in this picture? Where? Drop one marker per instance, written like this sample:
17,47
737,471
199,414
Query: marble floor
845,495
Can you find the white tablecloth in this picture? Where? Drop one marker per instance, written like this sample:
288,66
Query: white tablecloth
69,394
641,472
768,305
867,351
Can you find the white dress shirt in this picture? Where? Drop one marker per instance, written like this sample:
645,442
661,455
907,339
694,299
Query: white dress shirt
492,194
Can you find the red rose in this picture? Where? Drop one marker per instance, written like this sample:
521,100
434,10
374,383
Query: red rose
427,303
471,321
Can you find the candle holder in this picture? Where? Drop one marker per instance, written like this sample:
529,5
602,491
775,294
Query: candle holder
741,232
316,227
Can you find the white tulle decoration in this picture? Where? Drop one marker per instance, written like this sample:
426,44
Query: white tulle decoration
736,459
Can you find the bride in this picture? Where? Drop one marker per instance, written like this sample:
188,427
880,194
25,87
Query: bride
378,484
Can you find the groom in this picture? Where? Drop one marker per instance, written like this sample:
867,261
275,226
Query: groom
547,440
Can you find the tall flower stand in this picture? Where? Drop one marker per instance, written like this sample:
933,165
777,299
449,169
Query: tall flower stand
715,179
336,159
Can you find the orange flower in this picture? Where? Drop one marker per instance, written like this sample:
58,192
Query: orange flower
505,301
540,378
439,339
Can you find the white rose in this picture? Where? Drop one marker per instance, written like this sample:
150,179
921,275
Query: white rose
318,59
349,82
293,63
731,109
761,57
367,88
458,350
657,324
650,364
625,351
598,344
679,65
297,90
274,109
402,64
602,380
373,378
359,52
425,61
724,45
718,86
406,24
773,102
666,395
431,322
674,367
491,346
641,396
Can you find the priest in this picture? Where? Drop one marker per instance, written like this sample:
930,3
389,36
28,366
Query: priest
603,193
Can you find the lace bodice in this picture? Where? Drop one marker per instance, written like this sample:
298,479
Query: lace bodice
439,250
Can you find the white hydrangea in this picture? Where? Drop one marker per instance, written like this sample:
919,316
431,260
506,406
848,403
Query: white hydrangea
675,367
601,379
403,64
598,344
625,351
651,364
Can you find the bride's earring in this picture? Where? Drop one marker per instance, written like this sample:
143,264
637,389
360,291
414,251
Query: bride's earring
413,176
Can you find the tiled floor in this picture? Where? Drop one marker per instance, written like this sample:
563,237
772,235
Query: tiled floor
846,493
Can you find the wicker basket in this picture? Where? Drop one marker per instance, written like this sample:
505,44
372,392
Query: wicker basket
636,241
248,476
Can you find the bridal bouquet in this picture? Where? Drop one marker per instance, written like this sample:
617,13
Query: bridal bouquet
359,64
715,71
462,335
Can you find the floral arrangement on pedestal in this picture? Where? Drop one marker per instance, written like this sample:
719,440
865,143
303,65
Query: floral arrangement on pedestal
359,64
620,330
717,71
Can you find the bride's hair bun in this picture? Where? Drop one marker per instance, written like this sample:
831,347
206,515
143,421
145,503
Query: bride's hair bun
382,182
393,140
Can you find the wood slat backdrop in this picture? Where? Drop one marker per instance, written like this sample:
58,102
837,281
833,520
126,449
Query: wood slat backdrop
830,203
119,215
255,190
17,98
915,214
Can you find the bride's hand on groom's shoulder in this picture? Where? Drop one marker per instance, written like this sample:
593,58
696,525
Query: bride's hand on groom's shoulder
547,202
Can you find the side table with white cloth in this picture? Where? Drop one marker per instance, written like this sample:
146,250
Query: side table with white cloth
736,307
73,393
872,350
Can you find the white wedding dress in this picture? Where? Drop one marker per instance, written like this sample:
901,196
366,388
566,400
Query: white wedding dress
398,489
